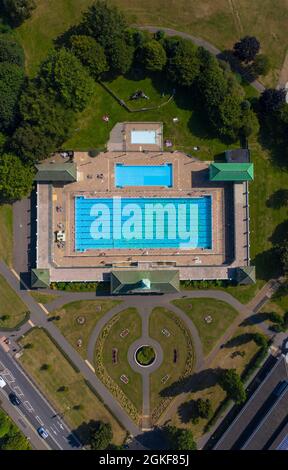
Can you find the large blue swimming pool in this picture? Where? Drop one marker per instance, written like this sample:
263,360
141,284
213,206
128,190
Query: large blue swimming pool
143,175
126,223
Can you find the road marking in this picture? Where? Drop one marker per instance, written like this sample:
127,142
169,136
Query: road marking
44,309
60,425
39,420
53,430
28,406
18,391
8,376
31,323
15,274
89,365
2,366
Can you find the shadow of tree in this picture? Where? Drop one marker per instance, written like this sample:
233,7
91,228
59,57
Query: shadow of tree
255,319
187,410
267,264
84,430
278,199
193,383
280,233
239,340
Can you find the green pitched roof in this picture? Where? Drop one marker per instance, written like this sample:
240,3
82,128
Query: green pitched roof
40,278
246,275
231,172
139,282
63,172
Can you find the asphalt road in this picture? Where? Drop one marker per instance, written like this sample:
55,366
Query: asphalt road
34,411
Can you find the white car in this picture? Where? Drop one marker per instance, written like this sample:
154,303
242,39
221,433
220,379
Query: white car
2,382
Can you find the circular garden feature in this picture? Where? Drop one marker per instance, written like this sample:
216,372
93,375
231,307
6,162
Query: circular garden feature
145,356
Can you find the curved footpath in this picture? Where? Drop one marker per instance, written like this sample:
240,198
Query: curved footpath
207,45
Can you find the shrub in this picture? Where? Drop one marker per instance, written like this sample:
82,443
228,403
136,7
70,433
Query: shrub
101,437
11,52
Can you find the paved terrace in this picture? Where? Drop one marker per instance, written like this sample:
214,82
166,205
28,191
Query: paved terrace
190,179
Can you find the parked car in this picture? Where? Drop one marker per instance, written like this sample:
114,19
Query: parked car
2,382
42,432
14,399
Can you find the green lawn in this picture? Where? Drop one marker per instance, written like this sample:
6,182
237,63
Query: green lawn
159,319
10,305
91,132
128,319
214,20
43,298
222,316
206,387
11,438
60,374
91,310
6,233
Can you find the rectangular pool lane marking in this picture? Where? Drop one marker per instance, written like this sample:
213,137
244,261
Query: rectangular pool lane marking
89,365
39,420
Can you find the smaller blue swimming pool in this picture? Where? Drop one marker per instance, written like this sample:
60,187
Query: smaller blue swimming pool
140,175
143,137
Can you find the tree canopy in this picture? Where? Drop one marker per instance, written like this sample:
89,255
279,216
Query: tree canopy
183,65
101,437
120,56
63,74
18,11
231,382
103,22
90,53
180,439
11,82
261,65
12,52
247,48
153,56
15,178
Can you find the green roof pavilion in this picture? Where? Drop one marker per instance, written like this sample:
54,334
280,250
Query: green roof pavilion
231,172
40,278
144,282
61,172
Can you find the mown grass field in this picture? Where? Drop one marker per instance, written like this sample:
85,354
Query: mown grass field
159,319
6,233
10,305
222,316
62,374
91,310
221,22
205,383
128,319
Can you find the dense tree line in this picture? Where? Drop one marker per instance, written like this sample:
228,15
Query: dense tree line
17,11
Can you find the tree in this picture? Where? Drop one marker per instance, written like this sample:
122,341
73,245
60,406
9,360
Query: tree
261,65
12,52
271,100
183,66
90,53
284,256
16,179
18,11
11,82
45,367
153,56
260,340
101,437
64,74
247,49
204,408
120,56
231,382
45,125
4,424
180,439
104,23
15,440
250,123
